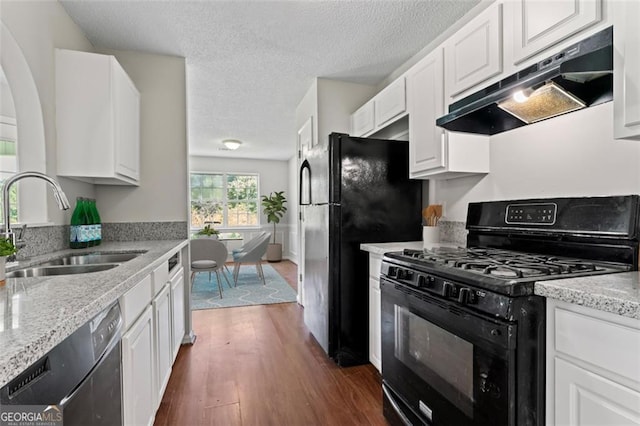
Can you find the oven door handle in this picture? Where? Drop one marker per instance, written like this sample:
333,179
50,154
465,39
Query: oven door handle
394,404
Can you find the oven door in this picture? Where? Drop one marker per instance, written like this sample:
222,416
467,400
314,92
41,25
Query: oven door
443,364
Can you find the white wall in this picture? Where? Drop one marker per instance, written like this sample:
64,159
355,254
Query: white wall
274,176
41,26
571,155
38,27
163,191
293,170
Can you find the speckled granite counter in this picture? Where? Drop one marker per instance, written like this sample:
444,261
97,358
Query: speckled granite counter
382,248
615,293
38,313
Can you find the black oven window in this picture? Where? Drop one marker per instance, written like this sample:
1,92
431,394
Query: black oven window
440,358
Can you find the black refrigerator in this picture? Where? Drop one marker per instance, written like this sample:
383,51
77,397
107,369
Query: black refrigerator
352,191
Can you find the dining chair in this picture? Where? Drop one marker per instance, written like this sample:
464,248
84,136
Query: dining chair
209,255
252,255
249,244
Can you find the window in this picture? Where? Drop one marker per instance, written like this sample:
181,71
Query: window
9,163
230,200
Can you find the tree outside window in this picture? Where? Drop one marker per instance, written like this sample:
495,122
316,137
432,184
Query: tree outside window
230,200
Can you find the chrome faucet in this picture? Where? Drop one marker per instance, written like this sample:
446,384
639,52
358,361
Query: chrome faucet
61,199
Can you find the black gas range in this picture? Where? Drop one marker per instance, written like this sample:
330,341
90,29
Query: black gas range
462,331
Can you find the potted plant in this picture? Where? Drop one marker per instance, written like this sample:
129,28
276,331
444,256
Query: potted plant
6,249
274,208
208,232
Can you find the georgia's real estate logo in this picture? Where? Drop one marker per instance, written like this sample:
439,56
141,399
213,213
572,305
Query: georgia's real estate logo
30,415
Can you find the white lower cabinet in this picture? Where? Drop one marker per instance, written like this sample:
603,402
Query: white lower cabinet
138,371
154,323
586,398
163,346
593,367
375,348
177,311
375,339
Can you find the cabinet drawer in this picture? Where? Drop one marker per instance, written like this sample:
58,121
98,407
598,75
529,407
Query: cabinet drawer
609,345
160,277
374,265
135,301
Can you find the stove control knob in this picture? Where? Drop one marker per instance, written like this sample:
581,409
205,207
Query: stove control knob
447,289
466,296
392,271
425,280
404,274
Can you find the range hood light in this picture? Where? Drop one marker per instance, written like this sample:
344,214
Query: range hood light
548,101
521,96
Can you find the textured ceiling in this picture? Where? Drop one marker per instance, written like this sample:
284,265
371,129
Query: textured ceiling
249,63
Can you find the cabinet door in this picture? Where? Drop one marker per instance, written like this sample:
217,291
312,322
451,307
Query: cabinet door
177,311
375,348
362,121
474,53
138,366
163,343
585,398
127,124
626,95
425,83
539,24
390,102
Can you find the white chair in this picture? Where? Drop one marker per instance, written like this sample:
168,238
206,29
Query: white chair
249,244
208,255
252,255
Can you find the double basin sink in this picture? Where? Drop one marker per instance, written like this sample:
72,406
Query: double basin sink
74,264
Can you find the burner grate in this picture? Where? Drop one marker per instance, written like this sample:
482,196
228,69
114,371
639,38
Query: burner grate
500,263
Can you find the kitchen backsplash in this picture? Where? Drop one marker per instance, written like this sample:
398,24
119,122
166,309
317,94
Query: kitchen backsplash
46,239
140,231
453,232
43,239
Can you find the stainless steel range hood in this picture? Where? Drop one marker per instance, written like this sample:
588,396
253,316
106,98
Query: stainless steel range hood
575,78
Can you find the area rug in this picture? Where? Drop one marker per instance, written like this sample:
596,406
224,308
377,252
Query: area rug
249,291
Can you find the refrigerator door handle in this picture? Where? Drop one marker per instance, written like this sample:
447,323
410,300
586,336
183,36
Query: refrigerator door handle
305,184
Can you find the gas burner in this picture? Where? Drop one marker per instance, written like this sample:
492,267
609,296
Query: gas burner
501,264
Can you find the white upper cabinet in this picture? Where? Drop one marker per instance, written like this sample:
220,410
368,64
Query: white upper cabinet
474,54
97,118
539,24
626,67
434,153
390,102
426,103
363,120
384,109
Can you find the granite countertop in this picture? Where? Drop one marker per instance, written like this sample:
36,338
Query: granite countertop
617,293
38,313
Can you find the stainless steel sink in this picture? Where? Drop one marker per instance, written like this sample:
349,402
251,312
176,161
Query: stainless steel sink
91,259
45,271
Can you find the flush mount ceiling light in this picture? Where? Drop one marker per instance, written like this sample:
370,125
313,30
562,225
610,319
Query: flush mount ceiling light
232,144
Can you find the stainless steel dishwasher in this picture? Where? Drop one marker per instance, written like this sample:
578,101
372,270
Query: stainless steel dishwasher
81,375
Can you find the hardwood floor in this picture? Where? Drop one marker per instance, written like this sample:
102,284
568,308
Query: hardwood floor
259,365
288,270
